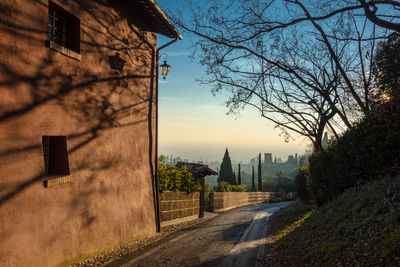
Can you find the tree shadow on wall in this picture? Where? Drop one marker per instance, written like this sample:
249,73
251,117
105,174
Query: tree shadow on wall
94,94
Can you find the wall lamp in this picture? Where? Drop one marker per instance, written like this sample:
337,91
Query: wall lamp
164,69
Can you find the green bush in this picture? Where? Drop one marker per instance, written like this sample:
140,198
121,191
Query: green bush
322,171
223,187
226,187
238,188
173,179
278,183
301,184
368,151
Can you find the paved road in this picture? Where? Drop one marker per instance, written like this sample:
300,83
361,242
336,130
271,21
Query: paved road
235,238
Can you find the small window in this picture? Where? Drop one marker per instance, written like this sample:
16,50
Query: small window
64,30
55,155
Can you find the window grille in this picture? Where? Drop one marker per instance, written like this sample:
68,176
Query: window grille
63,31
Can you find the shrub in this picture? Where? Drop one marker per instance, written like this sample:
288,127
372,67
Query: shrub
223,187
238,188
226,187
176,179
368,151
322,171
278,183
301,184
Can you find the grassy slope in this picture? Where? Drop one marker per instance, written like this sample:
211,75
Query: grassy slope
360,228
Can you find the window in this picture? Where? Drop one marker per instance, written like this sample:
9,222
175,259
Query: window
55,155
57,28
64,31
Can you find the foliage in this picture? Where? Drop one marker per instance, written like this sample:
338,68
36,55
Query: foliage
301,183
207,199
176,179
239,175
369,151
253,185
359,228
304,65
259,183
226,171
226,187
278,183
238,188
386,67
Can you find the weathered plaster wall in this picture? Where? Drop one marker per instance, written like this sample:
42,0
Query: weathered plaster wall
105,116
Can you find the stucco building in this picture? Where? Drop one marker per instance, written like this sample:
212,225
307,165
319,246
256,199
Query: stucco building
77,126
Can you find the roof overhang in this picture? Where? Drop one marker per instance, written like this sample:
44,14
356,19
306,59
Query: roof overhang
155,16
198,170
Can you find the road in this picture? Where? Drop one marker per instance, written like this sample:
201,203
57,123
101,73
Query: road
236,238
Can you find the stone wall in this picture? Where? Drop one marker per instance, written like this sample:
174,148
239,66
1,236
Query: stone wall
223,201
177,205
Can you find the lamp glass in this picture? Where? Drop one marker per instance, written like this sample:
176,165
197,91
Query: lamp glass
164,69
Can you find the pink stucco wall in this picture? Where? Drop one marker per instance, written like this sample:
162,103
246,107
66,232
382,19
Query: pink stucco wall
108,198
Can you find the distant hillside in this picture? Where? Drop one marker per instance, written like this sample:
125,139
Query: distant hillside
359,228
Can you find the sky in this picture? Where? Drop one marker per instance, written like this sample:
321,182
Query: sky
192,121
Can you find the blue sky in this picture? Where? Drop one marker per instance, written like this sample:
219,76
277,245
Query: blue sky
193,123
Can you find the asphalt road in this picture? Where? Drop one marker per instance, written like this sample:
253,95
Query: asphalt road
236,238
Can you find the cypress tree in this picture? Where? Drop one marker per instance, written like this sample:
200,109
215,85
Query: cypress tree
226,172
253,185
239,176
259,173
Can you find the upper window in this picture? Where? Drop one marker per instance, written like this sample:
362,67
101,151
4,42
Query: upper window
57,28
64,31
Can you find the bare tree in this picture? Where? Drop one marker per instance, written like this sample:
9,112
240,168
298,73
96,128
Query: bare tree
386,19
304,66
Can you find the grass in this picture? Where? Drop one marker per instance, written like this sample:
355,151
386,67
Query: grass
359,228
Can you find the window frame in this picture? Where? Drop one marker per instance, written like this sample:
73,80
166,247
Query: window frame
55,155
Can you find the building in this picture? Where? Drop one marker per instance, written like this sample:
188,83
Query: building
267,158
270,168
77,127
326,141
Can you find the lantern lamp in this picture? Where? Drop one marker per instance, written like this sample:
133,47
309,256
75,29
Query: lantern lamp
164,68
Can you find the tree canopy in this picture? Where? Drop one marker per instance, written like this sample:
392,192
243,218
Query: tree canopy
176,179
226,172
386,67
304,65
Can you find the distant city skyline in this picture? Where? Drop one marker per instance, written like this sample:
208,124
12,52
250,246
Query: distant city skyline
210,152
193,123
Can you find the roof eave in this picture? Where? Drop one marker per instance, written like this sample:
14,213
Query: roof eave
165,19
